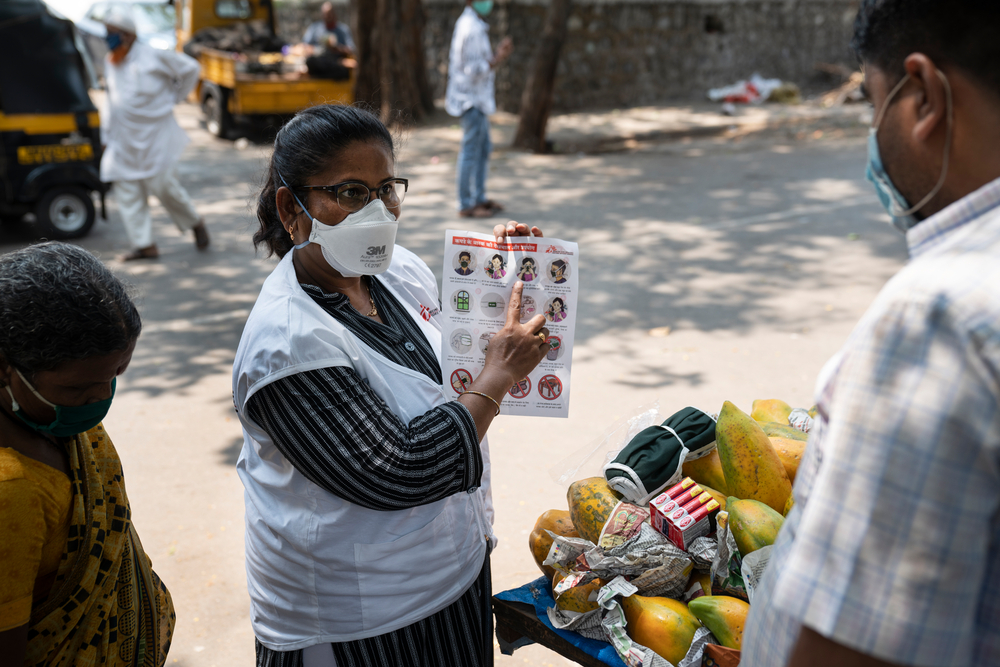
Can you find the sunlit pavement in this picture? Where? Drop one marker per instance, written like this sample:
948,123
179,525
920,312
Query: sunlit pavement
759,253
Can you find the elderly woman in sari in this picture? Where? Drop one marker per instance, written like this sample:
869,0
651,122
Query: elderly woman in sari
76,587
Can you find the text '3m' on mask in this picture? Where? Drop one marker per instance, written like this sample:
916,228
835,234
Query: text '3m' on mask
892,200
361,244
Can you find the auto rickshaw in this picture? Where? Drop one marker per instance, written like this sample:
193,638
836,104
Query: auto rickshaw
50,144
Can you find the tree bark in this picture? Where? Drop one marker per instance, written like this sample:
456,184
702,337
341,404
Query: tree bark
536,101
392,70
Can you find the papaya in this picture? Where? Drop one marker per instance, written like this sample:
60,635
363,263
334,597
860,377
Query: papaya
770,410
776,430
707,471
790,452
789,505
749,462
703,579
539,541
813,411
581,598
591,502
725,616
753,524
664,625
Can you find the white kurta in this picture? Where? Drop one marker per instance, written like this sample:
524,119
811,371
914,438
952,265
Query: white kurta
320,568
138,127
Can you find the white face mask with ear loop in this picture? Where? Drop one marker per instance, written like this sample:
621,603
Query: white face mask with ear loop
361,244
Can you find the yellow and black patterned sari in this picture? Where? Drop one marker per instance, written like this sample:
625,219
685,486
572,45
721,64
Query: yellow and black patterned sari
106,605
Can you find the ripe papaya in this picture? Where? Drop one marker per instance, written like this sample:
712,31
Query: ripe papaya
770,410
754,525
789,505
725,616
776,430
790,452
750,464
591,502
707,471
703,579
581,598
539,541
664,625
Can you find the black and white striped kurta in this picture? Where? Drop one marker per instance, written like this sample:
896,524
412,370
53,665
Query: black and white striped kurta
341,436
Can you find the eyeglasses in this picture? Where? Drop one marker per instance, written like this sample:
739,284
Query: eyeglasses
353,196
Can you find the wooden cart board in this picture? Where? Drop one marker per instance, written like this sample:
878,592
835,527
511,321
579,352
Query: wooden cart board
515,620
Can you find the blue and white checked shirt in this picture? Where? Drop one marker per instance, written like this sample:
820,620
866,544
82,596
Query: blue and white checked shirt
893,548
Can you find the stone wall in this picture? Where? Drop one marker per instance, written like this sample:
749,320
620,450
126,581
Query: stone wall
622,53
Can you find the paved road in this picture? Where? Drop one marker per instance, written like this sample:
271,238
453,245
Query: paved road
758,255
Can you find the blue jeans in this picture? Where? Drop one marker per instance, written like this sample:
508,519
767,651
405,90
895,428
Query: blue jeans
473,158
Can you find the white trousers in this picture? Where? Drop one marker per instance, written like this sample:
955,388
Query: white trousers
133,203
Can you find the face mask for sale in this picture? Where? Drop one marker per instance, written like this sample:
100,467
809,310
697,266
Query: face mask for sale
361,244
113,40
483,7
893,201
70,419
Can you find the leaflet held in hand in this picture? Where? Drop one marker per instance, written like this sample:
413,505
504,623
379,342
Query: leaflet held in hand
479,274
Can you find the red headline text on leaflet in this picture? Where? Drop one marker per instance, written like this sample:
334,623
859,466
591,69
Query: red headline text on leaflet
525,247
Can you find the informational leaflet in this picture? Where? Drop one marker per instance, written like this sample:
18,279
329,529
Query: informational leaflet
479,274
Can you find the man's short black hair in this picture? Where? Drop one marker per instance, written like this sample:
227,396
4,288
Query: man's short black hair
958,33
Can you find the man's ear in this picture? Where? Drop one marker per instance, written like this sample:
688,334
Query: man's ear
933,105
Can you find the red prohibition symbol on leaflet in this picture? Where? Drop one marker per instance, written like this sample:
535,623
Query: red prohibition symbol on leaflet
550,387
461,380
521,389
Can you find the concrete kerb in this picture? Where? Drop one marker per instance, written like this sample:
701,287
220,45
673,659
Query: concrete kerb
628,129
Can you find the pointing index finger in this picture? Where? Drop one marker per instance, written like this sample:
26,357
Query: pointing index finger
514,307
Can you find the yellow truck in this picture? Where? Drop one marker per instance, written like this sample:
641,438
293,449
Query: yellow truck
246,83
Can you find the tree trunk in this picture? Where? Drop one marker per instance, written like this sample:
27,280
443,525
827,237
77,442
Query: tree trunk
536,101
392,71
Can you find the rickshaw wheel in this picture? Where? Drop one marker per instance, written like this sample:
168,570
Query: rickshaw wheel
65,213
214,104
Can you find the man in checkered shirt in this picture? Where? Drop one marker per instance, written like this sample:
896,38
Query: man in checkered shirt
892,552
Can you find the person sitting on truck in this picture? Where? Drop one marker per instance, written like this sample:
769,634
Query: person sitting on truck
330,33
143,141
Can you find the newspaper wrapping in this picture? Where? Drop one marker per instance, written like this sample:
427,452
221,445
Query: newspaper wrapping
753,568
703,552
630,651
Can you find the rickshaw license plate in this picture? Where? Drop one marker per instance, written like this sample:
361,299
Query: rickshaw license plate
54,153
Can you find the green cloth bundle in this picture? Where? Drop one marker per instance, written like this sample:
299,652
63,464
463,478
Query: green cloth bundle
652,461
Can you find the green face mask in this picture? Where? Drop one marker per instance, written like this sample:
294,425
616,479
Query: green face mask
70,419
483,7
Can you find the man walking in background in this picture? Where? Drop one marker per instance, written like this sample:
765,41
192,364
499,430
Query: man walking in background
470,95
891,555
142,138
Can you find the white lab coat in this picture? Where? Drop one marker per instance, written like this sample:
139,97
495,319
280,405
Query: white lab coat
320,568
138,127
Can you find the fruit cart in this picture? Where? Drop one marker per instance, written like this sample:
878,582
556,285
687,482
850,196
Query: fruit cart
250,84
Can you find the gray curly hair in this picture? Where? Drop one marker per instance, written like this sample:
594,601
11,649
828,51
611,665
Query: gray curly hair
60,303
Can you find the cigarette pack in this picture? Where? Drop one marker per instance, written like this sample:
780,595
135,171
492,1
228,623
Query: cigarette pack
692,525
664,505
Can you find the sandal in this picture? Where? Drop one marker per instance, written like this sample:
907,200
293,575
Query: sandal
493,205
477,211
149,252
201,239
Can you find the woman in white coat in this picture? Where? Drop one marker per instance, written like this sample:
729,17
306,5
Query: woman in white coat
368,509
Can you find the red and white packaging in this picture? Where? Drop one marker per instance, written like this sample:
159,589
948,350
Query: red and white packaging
692,525
665,505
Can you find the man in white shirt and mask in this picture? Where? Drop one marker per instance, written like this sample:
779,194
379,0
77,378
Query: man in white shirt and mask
470,96
143,141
